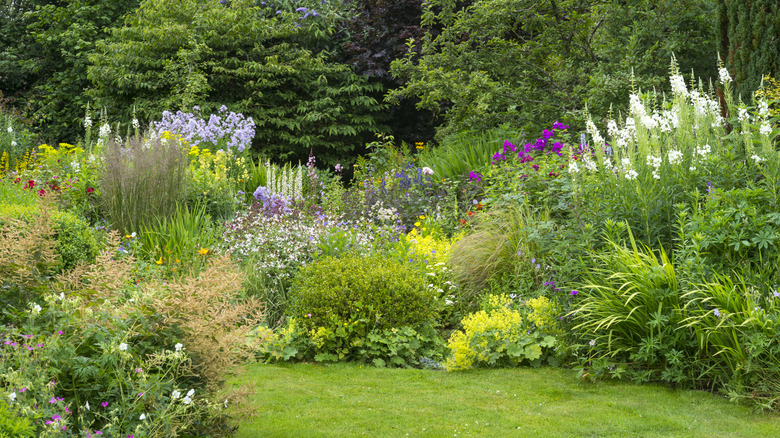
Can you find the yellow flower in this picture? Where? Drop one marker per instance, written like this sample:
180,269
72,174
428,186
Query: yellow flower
422,217
178,261
416,224
159,262
203,251
127,236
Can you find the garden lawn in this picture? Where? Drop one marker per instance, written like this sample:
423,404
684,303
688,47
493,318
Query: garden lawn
348,400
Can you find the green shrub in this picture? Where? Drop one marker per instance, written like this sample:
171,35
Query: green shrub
385,292
76,241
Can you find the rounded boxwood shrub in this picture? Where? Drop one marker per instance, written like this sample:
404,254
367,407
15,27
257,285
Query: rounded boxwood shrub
384,291
76,241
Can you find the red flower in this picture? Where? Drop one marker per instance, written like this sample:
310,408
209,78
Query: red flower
471,213
91,190
17,180
41,192
462,222
30,184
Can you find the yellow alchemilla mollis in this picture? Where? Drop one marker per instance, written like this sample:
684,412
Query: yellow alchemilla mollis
544,315
503,323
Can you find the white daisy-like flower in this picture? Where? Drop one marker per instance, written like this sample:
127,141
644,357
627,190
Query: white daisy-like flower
122,347
187,400
12,396
175,395
178,346
36,308
427,171
142,417
13,143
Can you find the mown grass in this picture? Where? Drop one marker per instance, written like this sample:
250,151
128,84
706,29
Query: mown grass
347,400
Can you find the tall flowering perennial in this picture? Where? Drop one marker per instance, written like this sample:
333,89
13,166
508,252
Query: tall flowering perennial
687,123
228,130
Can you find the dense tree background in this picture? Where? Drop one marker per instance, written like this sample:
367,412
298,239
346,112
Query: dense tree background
529,62
749,37
318,78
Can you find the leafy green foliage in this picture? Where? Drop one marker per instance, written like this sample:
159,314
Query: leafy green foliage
354,341
631,311
269,67
46,57
524,62
14,425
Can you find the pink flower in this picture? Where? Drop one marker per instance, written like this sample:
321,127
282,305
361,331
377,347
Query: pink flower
104,404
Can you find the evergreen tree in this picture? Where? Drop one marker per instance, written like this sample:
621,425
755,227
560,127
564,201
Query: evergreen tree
749,34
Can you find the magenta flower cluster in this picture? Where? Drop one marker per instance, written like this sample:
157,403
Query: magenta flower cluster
232,128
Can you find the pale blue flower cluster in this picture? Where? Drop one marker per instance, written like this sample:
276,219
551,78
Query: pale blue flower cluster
224,130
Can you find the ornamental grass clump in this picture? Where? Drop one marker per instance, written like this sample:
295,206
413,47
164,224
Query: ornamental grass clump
143,180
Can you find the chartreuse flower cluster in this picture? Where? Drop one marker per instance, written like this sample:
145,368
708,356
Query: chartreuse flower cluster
501,335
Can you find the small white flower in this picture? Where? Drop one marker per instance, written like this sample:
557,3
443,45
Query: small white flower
743,115
757,159
133,234
36,308
190,393
13,143
123,347
86,405
226,402
175,395
631,175
178,346
765,129
105,131
573,168
675,157
692,168
142,417
135,124
656,175
87,122
12,396
427,171
592,342
724,75
62,296
763,108
187,400
678,85
10,129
